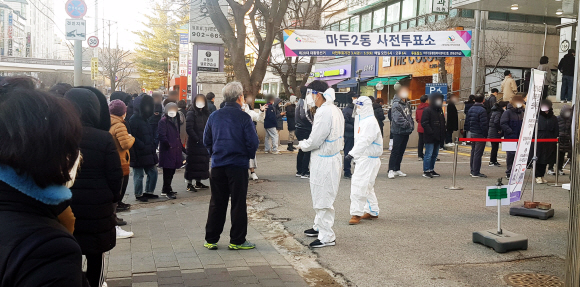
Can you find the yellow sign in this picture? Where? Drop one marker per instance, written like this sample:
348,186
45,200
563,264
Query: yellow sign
181,31
94,68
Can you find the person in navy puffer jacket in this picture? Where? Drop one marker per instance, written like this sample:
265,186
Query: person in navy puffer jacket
511,124
477,123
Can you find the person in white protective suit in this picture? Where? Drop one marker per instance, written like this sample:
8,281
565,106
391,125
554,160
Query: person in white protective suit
325,142
256,117
368,147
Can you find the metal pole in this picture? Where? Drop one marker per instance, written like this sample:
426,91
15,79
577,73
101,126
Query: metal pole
557,164
78,63
475,56
535,159
545,37
499,215
96,49
455,152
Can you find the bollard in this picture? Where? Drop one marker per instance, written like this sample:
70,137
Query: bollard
455,151
557,170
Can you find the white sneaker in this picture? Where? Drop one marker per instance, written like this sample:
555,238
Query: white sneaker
253,176
276,152
539,180
561,172
450,145
551,172
122,233
105,284
544,180
391,174
400,173
266,152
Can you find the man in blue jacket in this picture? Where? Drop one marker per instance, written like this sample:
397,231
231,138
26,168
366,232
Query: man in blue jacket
477,123
270,125
231,140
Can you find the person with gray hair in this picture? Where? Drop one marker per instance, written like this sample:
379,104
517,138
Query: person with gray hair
231,140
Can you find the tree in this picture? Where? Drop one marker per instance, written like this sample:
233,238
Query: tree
115,65
270,14
157,47
304,15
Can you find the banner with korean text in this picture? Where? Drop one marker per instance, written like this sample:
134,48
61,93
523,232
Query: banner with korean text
520,164
299,43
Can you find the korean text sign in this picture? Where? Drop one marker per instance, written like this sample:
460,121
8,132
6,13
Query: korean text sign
525,142
299,43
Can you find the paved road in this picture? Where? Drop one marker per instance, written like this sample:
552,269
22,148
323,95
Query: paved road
423,236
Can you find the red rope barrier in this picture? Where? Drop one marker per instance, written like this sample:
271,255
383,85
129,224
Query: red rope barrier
504,140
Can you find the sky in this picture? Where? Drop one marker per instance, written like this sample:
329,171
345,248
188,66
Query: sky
127,13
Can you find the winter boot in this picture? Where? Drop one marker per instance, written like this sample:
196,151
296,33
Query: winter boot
369,216
354,220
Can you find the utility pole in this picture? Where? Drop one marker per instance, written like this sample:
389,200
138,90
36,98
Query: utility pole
475,56
96,49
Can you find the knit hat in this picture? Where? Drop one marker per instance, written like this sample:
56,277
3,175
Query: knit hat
117,108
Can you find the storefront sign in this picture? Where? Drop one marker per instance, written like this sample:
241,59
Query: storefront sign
10,29
367,66
201,27
208,60
439,88
441,6
359,5
386,62
299,43
332,73
526,135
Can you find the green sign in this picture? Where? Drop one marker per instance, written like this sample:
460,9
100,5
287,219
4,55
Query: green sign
333,73
497,193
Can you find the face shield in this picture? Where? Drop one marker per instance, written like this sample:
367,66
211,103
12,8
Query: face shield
310,102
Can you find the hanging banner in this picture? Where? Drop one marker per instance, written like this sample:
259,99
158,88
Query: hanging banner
335,43
526,135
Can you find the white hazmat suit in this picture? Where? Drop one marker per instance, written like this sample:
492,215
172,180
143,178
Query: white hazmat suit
325,142
368,147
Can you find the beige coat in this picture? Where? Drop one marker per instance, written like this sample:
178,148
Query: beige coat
123,140
508,88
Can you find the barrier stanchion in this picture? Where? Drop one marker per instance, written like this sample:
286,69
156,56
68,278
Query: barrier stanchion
557,169
455,152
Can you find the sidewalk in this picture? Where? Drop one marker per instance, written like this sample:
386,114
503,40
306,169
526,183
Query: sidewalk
167,250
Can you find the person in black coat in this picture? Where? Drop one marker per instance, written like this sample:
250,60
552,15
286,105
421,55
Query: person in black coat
97,186
477,123
143,153
105,118
291,121
210,102
494,130
379,112
156,117
304,120
433,123
466,106
511,124
452,118
348,133
197,162
565,138
35,248
547,129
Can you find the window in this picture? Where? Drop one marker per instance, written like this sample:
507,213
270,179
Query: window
354,25
431,19
516,17
274,89
412,23
497,16
553,21
421,21
335,27
467,13
409,9
535,19
403,25
344,25
379,18
396,28
453,13
425,6
394,13
365,22
388,29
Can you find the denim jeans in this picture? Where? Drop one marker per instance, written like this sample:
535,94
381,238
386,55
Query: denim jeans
271,135
431,153
139,174
567,84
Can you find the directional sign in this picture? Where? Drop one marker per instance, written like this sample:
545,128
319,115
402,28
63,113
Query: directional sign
76,8
439,88
76,29
494,193
93,41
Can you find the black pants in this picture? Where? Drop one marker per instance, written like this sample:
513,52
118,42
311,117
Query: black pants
494,150
420,146
124,187
225,182
448,136
168,174
477,149
399,146
510,155
545,93
541,169
303,158
348,144
94,273
561,160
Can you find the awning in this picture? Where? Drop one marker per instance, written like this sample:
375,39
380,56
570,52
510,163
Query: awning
333,82
387,81
351,83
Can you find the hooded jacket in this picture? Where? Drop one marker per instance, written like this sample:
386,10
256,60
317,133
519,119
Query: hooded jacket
565,129
170,148
143,152
379,114
547,129
566,65
511,121
495,131
303,119
197,166
368,139
271,119
452,117
123,141
477,121
433,120
35,249
98,183
402,123
418,113
279,117
105,122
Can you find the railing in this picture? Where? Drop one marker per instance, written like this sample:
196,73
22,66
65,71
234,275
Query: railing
40,61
